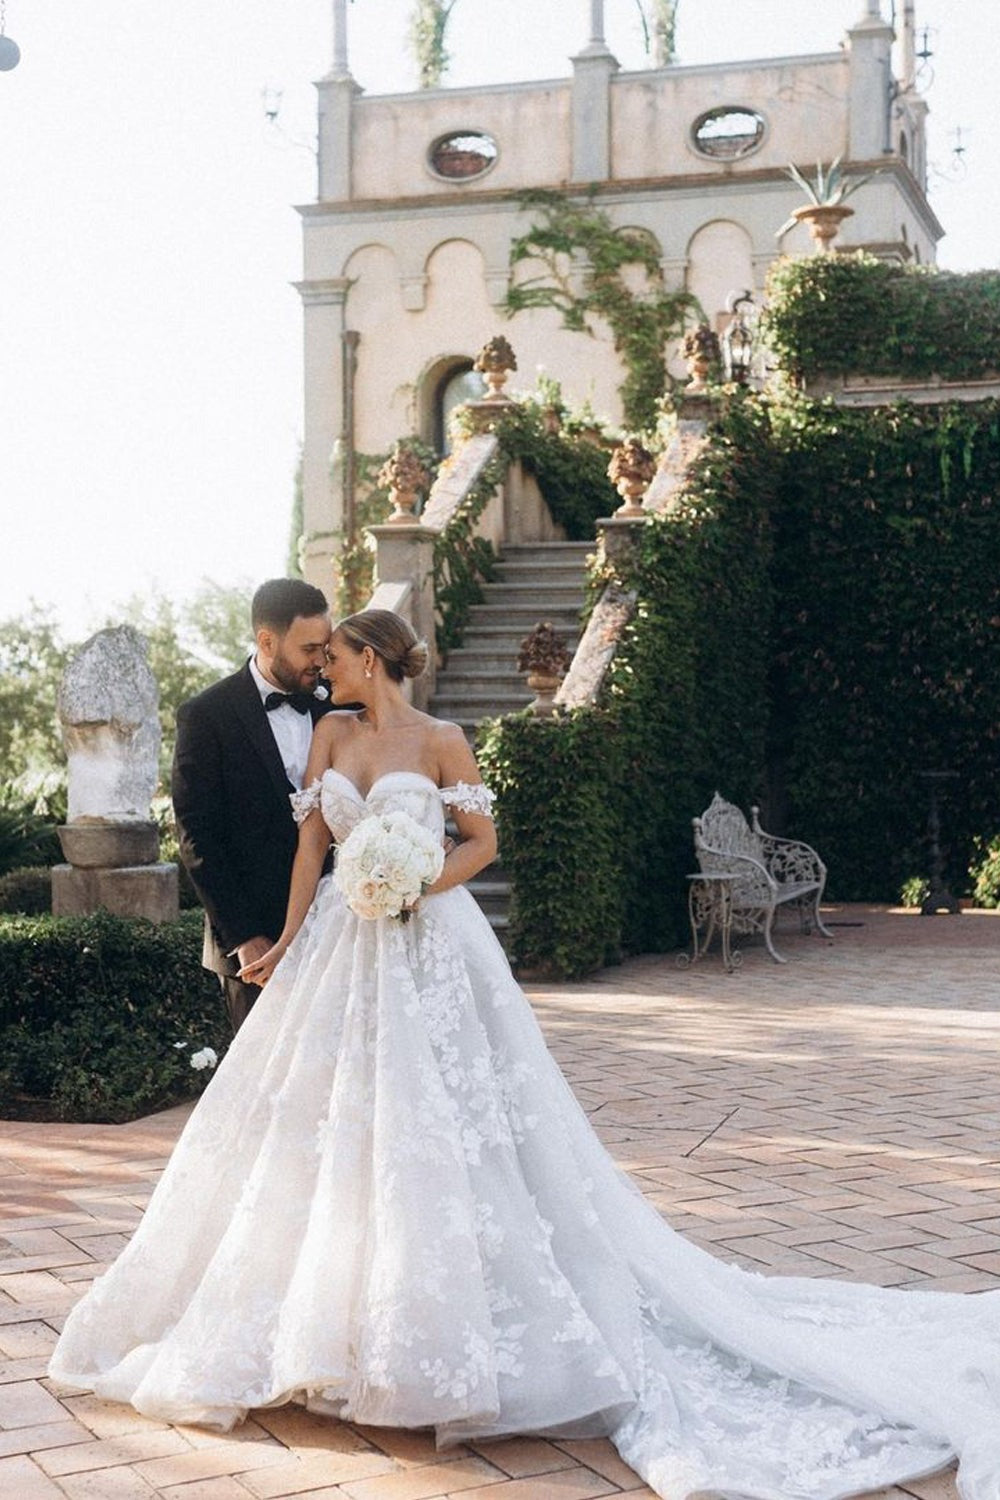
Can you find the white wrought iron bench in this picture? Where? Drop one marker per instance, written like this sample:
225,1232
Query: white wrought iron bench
762,872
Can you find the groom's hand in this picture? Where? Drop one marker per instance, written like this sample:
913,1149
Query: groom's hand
249,952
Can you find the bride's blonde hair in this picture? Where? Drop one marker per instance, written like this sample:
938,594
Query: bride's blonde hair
392,639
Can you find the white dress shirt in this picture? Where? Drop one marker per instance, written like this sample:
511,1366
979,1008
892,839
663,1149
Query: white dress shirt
292,731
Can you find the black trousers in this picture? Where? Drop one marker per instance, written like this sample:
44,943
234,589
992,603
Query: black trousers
239,998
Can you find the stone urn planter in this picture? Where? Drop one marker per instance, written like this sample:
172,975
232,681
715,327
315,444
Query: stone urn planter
631,468
701,353
494,362
545,658
407,479
823,220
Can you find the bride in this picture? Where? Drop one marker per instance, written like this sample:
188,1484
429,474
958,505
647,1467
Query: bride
389,1204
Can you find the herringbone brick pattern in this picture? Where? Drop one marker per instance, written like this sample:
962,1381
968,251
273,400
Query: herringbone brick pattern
837,1116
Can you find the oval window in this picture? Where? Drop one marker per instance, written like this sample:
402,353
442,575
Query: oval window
728,133
463,155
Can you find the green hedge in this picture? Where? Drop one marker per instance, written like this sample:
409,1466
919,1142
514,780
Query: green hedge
91,1009
557,782
595,806
840,314
27,891
571,470
887,643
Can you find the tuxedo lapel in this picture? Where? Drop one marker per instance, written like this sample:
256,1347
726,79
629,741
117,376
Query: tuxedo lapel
250,710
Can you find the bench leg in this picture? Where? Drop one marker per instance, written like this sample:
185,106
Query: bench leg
768,924
816,916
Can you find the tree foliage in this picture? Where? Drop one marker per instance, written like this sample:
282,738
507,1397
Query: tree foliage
428,26
189,647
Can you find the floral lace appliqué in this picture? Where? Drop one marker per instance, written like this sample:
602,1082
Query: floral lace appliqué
468,798
303,802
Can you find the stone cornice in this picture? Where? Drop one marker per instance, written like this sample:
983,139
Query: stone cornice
681,185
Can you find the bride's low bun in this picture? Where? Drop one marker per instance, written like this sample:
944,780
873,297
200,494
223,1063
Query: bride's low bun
392,639
414,660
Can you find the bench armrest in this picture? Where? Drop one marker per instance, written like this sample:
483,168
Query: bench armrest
789,860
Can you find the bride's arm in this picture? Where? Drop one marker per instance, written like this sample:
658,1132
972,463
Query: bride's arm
478,844
310,855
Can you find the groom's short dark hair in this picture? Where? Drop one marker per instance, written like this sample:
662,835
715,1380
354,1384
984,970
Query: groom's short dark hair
279,601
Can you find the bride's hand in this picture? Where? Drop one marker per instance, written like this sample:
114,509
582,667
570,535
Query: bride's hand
260,969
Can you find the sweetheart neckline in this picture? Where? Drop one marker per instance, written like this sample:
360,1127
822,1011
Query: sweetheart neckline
363,796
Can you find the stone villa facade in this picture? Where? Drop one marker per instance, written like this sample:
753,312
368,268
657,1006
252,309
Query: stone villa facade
406,250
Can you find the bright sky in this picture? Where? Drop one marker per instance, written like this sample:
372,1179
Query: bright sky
150,384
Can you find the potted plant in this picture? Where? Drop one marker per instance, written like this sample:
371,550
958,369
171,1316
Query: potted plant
700,350
827,206
545,658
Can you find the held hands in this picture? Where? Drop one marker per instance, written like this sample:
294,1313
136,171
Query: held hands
258,966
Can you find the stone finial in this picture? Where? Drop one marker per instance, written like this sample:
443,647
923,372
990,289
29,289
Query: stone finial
700,350
494,361
406,477
107,708
631,468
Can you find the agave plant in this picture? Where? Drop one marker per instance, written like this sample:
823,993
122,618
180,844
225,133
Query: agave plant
830,188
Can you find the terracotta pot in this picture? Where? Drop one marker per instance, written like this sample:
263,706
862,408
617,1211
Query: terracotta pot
823,221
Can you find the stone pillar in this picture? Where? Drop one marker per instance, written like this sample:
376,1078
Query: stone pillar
336,136
108,711
323,458
405,555
870,89
593,70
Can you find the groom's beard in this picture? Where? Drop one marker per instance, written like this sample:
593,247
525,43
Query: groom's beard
292,680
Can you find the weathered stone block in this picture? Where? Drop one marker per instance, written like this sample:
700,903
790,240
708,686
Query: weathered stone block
136,891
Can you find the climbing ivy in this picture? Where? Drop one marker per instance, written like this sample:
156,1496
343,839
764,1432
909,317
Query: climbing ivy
582,260
685,710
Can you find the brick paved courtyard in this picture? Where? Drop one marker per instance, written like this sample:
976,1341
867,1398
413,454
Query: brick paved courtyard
835,1116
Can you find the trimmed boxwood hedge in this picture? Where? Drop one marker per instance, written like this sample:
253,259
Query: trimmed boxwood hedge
91,1009
853,314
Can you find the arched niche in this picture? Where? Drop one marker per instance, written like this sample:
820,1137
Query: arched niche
447,382
373,298
456,280
720,261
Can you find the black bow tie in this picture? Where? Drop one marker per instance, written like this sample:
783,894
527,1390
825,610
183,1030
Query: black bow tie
301,702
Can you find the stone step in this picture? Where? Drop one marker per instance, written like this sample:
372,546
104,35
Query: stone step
544,599
457,707
521,617
539,574
549,550
492,897
500,676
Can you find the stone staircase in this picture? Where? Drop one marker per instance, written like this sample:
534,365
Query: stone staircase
540,581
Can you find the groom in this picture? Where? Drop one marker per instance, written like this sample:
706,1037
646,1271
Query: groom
242,747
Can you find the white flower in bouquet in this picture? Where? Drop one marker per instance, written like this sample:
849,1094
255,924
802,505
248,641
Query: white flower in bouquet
386,863
207,1057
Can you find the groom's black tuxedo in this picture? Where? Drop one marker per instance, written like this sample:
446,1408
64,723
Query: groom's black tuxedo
234,820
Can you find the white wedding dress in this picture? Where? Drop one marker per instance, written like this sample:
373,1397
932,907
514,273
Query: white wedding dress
389,1203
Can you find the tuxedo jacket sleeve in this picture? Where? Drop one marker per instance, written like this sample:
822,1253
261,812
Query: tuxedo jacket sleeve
235,828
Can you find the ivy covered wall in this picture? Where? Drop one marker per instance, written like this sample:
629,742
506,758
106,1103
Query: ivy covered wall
886,646
818,623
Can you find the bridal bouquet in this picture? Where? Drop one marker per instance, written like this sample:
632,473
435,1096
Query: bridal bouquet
385,864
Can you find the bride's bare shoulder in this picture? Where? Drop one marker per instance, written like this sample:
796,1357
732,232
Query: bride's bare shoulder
455,759
336,726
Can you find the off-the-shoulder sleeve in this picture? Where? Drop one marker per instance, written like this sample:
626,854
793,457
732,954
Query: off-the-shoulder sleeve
468,798
303,802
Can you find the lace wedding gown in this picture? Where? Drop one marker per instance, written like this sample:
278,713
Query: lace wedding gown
388,1202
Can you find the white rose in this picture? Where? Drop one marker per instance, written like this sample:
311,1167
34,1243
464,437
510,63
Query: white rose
206,1058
